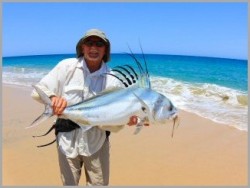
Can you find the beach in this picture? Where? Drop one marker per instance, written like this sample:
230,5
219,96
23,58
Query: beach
201,153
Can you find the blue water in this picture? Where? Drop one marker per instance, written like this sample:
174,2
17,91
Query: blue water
225,72
215,88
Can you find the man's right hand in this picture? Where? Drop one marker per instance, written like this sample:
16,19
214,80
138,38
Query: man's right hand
58,104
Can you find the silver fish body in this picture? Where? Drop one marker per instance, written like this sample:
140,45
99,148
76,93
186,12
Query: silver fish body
116,107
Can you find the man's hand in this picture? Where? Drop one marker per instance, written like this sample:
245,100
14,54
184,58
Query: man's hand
134,120
58,104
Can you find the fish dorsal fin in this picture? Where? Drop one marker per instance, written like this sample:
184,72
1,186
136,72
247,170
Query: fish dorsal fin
143,78
127,75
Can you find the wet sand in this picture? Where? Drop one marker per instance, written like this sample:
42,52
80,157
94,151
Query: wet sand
201,152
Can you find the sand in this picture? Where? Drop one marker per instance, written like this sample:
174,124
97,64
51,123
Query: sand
201,152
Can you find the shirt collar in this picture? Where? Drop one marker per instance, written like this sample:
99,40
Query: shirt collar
82,64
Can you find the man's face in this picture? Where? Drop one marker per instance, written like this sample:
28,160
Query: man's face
94,49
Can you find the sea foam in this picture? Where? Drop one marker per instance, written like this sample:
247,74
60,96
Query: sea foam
220,104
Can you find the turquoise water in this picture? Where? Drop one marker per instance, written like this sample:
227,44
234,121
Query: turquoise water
215,88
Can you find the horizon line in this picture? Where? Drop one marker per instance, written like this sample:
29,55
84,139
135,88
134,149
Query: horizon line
125,53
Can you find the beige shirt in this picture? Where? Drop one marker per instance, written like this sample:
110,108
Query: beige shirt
72,80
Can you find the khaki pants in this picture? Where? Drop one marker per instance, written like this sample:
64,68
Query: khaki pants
96,167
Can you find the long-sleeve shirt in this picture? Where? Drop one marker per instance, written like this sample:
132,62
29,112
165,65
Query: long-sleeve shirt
72,80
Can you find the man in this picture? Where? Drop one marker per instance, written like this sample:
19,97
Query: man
72,81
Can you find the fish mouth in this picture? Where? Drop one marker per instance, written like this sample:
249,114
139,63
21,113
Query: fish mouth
174,116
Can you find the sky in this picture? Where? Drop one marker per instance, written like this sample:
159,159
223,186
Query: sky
196,29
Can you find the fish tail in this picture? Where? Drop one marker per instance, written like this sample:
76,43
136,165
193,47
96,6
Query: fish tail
48,112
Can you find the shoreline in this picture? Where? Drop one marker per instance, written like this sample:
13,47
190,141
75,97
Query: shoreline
202,152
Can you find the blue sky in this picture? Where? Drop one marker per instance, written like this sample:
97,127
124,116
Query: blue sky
200,29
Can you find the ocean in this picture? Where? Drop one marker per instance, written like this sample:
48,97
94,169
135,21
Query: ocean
214,88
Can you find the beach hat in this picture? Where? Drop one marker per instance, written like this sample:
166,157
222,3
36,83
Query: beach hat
97,33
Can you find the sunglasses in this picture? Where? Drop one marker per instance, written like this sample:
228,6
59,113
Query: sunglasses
91,43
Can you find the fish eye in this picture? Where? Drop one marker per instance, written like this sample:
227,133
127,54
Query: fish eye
143,109
170,108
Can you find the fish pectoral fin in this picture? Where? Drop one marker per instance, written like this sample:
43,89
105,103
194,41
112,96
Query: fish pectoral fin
138,129
140,124
144,106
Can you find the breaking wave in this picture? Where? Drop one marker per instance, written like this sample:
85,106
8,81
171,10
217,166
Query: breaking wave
220,104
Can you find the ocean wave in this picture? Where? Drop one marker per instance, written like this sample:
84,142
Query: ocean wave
22,76
220,104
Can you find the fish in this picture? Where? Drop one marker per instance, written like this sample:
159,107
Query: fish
115,107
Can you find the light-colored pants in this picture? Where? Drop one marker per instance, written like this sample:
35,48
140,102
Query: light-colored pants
96,167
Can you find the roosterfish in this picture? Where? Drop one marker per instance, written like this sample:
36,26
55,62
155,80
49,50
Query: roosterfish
115,107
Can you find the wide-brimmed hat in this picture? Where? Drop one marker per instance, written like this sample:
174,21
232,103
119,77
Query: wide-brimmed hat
97,33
